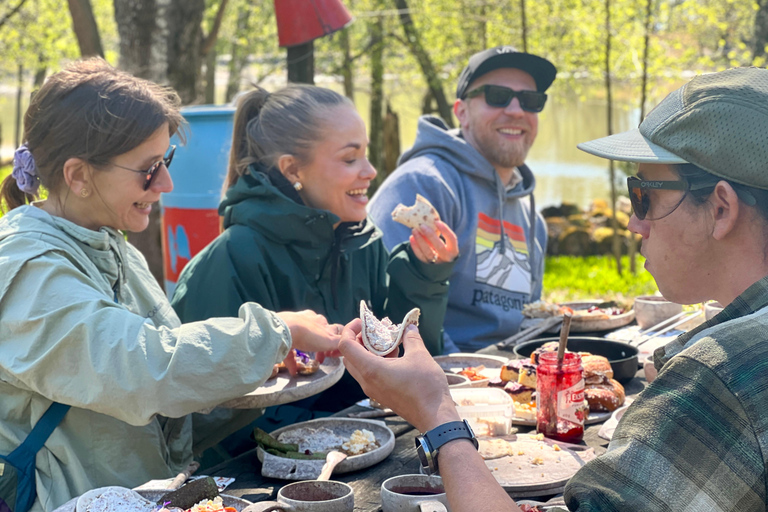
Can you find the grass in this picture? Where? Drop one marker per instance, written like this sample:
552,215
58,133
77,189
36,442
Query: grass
568,278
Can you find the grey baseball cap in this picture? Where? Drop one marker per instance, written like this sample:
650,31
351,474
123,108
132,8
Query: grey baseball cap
718,122
542,71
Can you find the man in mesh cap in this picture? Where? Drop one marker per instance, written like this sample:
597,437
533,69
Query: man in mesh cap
696,439
477,180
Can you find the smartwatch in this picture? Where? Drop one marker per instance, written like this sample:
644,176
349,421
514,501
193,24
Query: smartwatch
428,445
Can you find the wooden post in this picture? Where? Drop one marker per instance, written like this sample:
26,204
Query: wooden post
301,63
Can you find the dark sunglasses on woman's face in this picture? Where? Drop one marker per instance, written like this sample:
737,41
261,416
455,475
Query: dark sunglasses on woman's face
499,97
150,173
639,195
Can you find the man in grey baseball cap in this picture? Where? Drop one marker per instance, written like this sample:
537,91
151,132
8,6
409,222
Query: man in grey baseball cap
477,179
696,438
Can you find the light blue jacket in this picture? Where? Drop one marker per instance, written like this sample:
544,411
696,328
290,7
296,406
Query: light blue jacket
84,323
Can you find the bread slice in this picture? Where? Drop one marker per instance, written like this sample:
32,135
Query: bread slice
422,212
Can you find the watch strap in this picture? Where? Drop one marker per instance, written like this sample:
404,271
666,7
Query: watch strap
450,431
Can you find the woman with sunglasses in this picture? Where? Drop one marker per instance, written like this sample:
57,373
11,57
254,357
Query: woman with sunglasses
82,321
695,439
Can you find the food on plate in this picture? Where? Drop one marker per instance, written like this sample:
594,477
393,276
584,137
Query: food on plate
473,373
525,411
597,369
315,443
115,499
527,375
422,212
491,426
214,505
551,346
604,397
519,392
361,441
510,372
494,448
190,494
382,336
542,309
305,365
497,382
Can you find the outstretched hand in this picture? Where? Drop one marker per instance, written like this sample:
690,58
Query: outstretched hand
432,246
310,333
414,385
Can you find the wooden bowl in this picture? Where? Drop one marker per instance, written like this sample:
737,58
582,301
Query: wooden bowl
622,356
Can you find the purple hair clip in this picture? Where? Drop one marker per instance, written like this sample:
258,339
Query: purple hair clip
25,171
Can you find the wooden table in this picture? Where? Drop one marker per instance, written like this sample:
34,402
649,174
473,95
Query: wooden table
250,485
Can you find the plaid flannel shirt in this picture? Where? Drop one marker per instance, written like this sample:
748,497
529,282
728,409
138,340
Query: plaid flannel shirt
696,438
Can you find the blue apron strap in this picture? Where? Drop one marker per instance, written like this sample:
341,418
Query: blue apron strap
39,435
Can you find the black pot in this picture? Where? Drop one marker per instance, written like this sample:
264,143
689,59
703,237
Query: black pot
622,356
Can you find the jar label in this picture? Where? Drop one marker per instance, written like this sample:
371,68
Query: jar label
569,402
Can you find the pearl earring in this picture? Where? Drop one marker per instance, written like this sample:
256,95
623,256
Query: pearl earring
298,186
84,192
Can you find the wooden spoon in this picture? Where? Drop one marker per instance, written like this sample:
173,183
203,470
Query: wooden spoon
331,460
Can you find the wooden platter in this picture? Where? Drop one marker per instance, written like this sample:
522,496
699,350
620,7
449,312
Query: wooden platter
284,389
295,469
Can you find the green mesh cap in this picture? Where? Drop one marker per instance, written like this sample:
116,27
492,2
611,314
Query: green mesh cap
718,122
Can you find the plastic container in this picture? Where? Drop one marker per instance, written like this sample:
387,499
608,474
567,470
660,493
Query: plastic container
190,218
560,410
489,411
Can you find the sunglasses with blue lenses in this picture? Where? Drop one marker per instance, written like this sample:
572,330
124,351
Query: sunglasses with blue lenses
499,97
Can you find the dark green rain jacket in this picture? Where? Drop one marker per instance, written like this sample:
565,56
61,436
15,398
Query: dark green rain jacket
287,257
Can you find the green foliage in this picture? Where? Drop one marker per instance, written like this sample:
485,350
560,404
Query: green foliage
594,277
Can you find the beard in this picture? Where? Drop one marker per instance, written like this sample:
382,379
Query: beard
504,154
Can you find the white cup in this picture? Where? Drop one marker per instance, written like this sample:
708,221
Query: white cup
309,496
413,493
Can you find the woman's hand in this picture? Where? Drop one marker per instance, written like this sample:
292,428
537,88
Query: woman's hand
311,333
414,386
432,246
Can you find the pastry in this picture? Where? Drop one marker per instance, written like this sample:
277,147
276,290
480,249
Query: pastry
382,336
527,375
596,369
552,346
604,397
422,212
518,392
510,372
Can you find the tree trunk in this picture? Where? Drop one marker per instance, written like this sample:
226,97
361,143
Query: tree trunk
185,41
524,26
434,81
346,69
85,27
239,57
376,136
391,142
611,168
210,77
761,29
301,63
19,93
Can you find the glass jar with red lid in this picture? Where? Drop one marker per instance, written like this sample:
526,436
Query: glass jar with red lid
560,410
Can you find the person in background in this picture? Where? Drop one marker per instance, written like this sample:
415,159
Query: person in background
695,438
83,322
477,179
297,236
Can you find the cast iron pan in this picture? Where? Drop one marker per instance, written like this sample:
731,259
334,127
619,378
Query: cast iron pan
623,357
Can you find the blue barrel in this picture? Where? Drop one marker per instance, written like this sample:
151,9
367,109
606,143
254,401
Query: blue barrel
190,217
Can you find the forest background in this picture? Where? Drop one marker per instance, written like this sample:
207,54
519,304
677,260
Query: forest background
396,56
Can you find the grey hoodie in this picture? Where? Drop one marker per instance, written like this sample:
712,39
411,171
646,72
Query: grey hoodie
498,270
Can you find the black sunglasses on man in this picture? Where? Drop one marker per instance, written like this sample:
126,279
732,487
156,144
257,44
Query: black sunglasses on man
499,96
639,195
150,173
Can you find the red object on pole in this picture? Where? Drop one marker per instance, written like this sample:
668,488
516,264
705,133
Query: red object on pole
301,21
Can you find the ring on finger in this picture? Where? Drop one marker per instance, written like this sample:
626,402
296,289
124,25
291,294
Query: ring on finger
434,259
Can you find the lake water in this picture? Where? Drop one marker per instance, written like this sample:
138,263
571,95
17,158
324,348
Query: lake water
563,172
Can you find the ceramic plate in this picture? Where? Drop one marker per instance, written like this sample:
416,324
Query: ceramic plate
587,323
151,495
295,469
454,363
284,389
